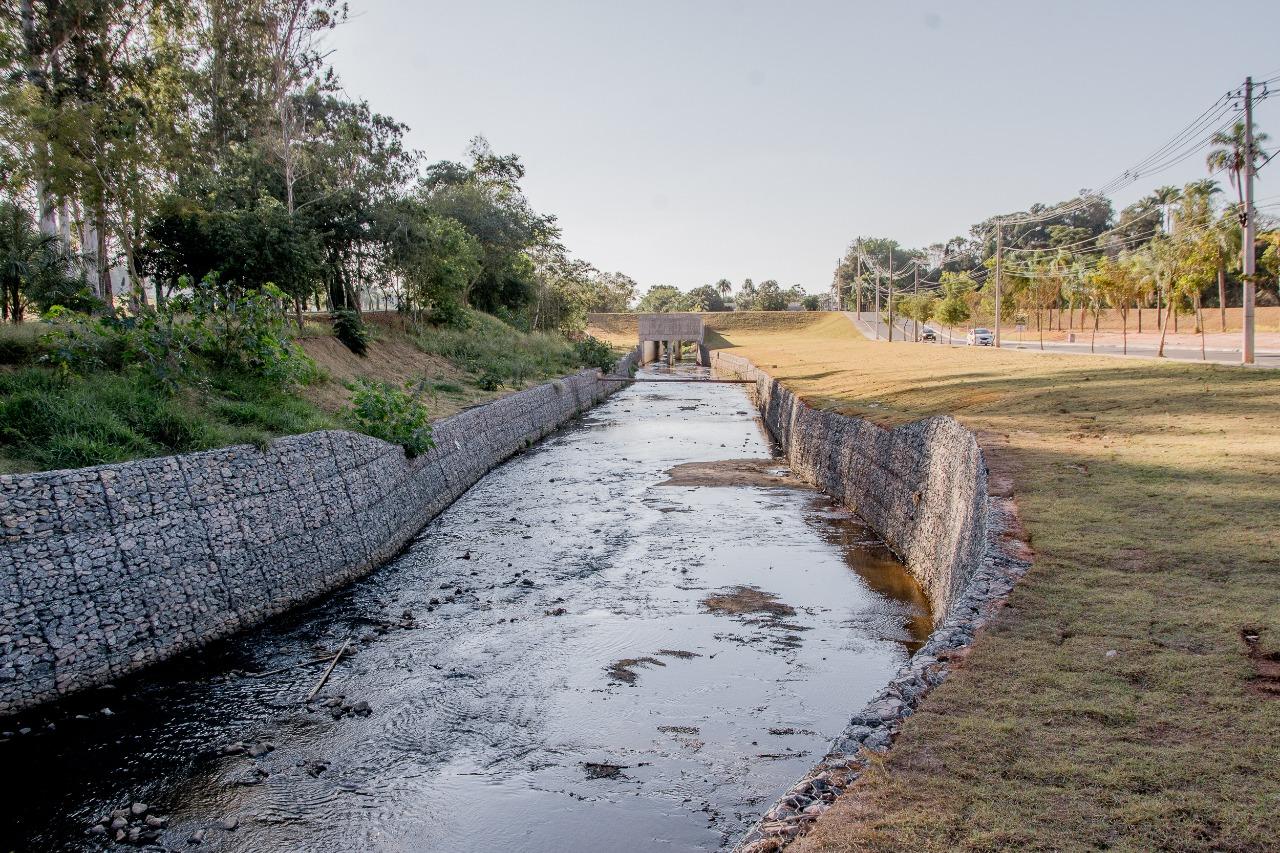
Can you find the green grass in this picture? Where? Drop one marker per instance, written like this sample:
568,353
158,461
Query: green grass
105,416
47,422
20,344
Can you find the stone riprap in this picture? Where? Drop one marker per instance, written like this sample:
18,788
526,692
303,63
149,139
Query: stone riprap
922,487
109,569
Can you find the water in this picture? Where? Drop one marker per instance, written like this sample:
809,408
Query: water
485,654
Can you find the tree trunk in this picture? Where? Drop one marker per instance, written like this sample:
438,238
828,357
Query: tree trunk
1124,328
1222,295
1164,330
1200,323
104,271
1139,317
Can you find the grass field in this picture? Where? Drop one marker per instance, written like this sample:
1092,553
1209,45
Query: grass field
1113,704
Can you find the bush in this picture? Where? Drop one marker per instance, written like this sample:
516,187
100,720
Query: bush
490,380
383,411
593,352
213,328
350,329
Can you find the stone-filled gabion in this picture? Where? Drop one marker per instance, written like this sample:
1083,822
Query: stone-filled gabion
923,488
106,570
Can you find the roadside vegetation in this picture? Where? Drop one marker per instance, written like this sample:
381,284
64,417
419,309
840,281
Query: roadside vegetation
1174,255
1125,698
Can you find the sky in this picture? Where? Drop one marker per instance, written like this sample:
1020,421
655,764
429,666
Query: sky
684,142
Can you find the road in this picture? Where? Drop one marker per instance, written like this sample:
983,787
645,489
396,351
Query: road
866,323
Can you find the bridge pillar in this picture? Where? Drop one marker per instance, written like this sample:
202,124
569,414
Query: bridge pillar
704,356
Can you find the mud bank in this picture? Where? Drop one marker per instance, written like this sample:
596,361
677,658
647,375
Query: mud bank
923,488
106,570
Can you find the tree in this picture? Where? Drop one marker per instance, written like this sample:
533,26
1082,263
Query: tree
770,297
663,298
1168,258
433,258
486,198
918,307
33,267
954,307
1229,156
611,293
705,298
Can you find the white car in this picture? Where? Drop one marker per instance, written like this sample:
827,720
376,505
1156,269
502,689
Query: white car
980,338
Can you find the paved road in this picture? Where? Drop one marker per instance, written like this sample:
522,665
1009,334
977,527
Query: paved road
866,324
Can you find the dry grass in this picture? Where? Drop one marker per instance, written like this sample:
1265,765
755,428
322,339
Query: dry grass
620,329
393,358
1151,493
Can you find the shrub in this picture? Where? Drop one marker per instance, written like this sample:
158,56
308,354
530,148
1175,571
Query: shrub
490,380
350,329
383,411
593,352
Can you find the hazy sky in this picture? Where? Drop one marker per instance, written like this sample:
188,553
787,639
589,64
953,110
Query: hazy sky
682,142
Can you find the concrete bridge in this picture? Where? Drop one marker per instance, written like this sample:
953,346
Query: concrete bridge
663,335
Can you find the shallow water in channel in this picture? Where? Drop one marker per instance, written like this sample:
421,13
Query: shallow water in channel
572,657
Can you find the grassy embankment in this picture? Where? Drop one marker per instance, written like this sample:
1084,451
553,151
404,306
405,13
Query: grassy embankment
109,416
1151,495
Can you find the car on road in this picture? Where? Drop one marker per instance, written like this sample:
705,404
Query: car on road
980,338
928,334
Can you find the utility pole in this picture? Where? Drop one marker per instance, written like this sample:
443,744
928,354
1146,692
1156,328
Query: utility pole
877,322
1250,231
915,291
857,284
890,295
999,271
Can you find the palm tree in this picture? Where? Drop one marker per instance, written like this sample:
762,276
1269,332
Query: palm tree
1229,155
29,260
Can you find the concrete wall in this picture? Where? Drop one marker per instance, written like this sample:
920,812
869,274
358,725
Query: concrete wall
106,570
921,486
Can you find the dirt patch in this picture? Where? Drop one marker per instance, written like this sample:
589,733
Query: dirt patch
679,730
677,653
763,473
746,600
1266,664
389,359
624,670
